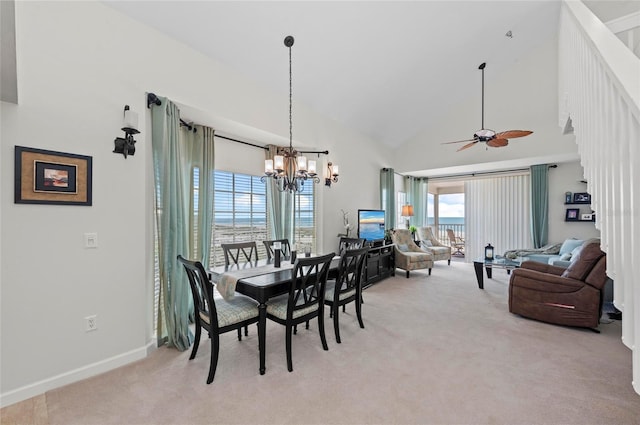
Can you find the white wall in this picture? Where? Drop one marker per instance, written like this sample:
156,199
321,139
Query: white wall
78,64
522,96
567,178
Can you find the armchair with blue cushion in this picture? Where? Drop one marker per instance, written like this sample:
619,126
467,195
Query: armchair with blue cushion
408,255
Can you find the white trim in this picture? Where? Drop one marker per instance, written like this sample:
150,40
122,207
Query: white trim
624,23
41,387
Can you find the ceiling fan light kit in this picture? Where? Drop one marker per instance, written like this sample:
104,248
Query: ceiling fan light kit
485,135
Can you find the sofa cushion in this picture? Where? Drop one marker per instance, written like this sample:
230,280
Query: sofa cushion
584,261
569,245
575,252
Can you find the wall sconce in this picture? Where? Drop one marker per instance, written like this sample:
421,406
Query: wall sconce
126,146
332,174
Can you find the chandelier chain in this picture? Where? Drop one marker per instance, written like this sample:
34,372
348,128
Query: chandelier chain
288,170
290,104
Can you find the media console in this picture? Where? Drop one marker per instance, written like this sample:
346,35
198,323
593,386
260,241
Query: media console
380,264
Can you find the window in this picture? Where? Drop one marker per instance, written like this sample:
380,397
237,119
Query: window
306,216
240,212
401,222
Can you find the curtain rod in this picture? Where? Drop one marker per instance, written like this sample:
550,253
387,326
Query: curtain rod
394,171
153,99
486,173
264,147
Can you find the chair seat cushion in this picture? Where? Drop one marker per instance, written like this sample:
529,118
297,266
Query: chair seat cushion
277,307
235,310
417,257
329,292
440,250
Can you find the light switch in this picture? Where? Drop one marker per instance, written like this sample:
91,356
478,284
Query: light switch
90,240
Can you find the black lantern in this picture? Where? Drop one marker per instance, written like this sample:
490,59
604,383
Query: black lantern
488,252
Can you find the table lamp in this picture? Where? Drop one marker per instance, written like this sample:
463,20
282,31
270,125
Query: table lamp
407,211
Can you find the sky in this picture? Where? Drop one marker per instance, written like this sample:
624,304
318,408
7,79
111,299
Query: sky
450,205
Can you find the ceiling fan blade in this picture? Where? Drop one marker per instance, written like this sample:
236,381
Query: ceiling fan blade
497,143
510,134
468,145
458,141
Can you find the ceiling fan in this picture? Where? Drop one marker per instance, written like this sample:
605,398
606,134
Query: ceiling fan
490,137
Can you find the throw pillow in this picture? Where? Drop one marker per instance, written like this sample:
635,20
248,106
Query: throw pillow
427,243
566,256
569,245
575,252
403,247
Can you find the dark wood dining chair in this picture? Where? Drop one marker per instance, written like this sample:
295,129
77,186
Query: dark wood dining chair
305,299
347,288
239,252
284,244
215,314
350,243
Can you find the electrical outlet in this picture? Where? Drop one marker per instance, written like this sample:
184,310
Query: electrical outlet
91,323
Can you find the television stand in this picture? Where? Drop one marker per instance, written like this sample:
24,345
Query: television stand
380,263
376,243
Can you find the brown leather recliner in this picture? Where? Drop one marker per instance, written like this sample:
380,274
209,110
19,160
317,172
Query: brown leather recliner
571,297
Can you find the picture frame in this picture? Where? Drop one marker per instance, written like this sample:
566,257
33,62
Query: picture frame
586,217
582,197
572,214
568,197
50,177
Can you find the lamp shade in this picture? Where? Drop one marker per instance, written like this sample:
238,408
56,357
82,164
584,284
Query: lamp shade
407,210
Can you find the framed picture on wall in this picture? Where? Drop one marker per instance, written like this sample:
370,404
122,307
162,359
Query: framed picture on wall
582,197
572,214
568,198
49,177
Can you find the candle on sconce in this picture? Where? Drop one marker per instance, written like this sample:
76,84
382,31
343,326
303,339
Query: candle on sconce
335,170
130,120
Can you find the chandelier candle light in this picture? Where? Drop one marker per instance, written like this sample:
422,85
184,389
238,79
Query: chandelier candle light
288,169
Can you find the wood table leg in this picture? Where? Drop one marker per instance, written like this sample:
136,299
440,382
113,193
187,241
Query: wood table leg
478,268
488,272
262,330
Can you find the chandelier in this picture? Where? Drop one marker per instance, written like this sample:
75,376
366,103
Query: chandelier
288,169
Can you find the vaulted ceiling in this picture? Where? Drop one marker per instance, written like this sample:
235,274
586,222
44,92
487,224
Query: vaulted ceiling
386,69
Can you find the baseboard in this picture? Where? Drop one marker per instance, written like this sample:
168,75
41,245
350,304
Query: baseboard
41,387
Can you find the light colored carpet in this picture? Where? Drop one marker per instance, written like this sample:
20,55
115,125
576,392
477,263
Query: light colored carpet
435,350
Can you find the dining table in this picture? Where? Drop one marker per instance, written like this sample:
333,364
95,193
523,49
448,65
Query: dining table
260,280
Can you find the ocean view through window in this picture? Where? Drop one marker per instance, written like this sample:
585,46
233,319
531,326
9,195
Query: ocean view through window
240,212
449,209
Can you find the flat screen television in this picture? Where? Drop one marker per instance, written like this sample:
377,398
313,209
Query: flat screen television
371,224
